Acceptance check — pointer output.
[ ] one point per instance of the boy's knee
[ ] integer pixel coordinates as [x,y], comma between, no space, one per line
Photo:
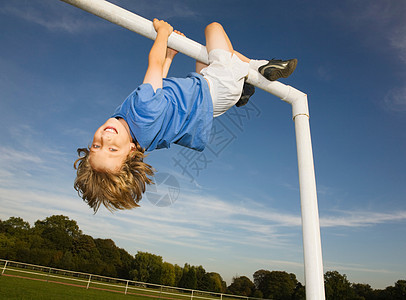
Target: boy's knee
[214,26]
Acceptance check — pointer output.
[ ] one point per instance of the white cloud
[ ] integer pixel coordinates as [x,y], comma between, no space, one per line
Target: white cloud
[207,219]
[278,264]
[352,267]
[53,15]
[395,99]
[397,39]
[8,154]
[388,16]
[196,226]
[194,217]
[362,218]
[379,21]
[58,16]
[27,153]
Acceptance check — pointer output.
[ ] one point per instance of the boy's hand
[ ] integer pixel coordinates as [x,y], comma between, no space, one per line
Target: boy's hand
[162,26]
[170,53]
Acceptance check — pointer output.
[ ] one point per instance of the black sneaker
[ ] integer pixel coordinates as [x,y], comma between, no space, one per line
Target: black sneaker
[277,68]
[247,91]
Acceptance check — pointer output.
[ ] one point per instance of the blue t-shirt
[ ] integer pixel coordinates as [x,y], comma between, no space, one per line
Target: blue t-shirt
[181,112]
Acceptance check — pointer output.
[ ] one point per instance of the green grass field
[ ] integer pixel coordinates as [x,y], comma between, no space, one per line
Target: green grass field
[20,288]
[22,283]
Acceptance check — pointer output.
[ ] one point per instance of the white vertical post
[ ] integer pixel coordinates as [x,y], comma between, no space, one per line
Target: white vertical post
[4,268]
[314,280]
[88,282]
[126,287]
[310,217]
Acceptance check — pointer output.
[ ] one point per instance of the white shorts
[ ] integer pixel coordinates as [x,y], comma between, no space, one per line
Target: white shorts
[225,74]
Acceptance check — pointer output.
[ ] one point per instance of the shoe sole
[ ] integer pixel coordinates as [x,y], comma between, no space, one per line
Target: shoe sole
[247,92]
[274,72]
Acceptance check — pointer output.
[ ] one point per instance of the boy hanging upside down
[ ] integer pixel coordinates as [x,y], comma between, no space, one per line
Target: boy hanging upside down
[163,111]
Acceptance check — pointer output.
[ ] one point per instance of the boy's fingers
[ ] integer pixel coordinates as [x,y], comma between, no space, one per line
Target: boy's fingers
[158,23]
[155,23]
[178,32]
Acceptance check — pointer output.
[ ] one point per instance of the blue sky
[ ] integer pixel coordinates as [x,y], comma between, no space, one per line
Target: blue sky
[64,71]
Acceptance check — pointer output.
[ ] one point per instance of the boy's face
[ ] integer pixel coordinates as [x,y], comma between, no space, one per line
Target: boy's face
[110,147]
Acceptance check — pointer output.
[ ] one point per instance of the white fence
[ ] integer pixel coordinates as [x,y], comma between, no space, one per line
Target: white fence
[93,281]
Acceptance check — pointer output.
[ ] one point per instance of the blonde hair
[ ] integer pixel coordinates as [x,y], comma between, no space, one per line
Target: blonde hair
[121,190]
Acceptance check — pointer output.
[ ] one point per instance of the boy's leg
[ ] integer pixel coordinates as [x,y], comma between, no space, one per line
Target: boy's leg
[216,38]
[242,57]
[200,66]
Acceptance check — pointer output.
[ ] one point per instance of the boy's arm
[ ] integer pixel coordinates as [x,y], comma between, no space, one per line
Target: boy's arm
[157,54]
[170,54]
[168,61]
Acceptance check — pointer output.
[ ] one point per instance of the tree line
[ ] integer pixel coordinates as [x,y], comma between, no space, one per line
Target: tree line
[58,242]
